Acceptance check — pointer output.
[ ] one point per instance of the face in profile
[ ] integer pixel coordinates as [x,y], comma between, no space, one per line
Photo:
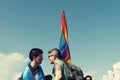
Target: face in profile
[52,56]
[39,59]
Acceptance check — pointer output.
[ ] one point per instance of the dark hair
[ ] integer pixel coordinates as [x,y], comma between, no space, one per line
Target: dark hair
[48,77]
[35,52]
[87,77]
[58,54]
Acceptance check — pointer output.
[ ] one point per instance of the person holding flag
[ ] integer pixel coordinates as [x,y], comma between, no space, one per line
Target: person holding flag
[58,56]
[59,72]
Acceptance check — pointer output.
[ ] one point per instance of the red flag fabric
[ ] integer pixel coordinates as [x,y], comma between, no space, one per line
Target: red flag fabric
[64,45]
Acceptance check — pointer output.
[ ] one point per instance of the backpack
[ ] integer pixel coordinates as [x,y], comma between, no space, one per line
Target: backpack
[73,72]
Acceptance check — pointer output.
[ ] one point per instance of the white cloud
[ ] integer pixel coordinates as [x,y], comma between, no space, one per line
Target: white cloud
[11,65]
[116,65]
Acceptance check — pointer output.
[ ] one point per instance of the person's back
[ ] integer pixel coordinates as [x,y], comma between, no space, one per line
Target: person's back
[73,72]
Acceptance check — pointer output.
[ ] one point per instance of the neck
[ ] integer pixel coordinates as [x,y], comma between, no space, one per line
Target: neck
[33,64]
[56,60]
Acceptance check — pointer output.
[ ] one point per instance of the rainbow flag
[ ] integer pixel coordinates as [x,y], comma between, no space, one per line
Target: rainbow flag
[64,45]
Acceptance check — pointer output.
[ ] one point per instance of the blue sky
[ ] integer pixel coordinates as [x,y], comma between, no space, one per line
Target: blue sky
[93,25]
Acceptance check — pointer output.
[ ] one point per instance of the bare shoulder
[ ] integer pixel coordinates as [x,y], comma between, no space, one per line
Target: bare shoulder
[58,65]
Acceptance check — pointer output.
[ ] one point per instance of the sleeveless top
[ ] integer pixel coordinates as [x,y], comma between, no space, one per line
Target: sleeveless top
[64,77]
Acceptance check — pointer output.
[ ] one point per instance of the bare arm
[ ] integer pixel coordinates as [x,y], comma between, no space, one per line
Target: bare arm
[58,71]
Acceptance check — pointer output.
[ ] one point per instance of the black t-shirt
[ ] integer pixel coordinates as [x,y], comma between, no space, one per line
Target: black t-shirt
[34,71]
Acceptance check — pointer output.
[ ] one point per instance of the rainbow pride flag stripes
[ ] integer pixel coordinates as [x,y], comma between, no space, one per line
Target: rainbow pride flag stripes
[64,45]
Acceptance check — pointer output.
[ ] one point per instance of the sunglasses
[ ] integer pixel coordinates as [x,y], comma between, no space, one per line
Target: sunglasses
[50,56]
